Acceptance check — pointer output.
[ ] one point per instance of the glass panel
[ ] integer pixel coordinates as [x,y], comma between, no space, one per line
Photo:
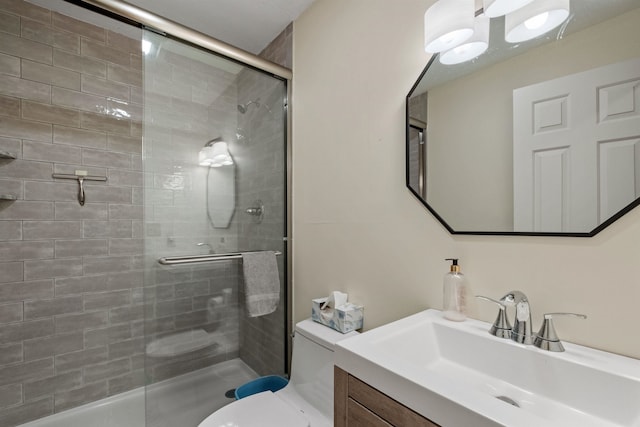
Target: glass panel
[200,343]
[71,275]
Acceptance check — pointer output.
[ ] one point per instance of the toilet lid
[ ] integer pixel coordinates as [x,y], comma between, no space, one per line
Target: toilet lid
[258,410]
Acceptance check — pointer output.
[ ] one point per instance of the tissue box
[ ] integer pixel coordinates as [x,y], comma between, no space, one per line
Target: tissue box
[345,318]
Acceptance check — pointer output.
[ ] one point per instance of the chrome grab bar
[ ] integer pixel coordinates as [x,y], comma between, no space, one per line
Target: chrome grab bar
[193,259]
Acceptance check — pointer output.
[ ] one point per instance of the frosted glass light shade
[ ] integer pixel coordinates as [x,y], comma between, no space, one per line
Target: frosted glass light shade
[535,19]
[472,48]
[447,24]
[495,8]
[205,156]
[215,155]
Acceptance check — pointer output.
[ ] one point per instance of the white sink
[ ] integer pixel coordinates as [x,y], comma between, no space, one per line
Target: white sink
[457,374]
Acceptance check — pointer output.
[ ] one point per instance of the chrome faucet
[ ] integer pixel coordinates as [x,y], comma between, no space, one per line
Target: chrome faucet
[545,339]
[521,331]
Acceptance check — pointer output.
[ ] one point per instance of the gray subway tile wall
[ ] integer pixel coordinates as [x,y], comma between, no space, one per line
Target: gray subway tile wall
[10,395]
[11,313]
[81,293]
[68,275]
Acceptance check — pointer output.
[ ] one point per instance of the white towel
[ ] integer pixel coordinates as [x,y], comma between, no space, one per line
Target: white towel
[261,282]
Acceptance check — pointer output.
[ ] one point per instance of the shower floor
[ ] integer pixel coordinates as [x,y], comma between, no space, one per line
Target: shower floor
[182,401]
[188,399]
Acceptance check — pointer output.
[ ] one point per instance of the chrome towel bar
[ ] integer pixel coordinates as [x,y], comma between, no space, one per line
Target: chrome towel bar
[193,259]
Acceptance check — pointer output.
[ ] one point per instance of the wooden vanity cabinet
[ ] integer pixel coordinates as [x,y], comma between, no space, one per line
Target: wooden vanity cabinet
[357,404]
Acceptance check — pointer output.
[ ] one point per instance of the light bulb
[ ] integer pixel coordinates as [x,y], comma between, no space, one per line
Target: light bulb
[454,37]
[461,49]
[537,21]
[447,24]
[475,46]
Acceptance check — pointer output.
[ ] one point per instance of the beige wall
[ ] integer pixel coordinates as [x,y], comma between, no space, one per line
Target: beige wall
[358,229]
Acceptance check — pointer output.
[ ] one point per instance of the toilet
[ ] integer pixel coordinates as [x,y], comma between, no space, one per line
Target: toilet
[306,401]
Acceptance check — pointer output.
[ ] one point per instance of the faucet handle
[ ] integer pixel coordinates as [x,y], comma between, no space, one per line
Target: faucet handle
[501,327]
[547,338]
[513,298]
[495,301]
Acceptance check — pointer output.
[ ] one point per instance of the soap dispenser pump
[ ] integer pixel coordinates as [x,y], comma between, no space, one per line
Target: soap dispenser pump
[455,290]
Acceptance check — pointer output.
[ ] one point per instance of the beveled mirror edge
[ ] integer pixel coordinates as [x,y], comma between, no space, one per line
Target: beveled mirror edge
[592,233]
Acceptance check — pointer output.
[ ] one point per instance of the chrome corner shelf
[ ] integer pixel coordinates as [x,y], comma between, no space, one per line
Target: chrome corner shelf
[194,259]
[7,155]
[7,198]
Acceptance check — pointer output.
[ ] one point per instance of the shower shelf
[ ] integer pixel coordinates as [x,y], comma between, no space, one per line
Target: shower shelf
[181,343]
[7,198]
[193,259]
[7,155]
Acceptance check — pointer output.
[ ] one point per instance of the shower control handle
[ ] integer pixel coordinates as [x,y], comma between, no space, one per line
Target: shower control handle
[256,211]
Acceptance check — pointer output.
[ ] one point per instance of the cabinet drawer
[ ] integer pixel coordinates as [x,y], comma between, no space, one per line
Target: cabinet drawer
[359,416]
[383,406]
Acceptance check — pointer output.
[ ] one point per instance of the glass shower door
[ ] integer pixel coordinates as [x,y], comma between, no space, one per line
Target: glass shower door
[214,184]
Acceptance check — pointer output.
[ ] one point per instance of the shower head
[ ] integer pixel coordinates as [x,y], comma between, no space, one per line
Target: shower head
[242,108]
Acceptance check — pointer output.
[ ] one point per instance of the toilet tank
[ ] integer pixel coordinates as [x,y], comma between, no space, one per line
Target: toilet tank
[312,363]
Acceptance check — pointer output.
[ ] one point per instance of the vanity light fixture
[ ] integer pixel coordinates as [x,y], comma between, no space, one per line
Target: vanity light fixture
[472,48]
[451,29]
[495,8]
[535,19]
[215,153]
[447,24]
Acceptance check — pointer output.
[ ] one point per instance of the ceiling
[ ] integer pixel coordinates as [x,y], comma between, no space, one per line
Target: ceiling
[247,24]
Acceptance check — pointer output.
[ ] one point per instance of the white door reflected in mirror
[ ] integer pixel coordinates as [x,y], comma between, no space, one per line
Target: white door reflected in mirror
[576,148]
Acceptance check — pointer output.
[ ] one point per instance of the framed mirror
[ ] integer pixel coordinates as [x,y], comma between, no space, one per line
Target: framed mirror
[221,195]
[539,137]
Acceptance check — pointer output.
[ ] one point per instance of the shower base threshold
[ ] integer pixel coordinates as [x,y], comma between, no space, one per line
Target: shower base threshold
[181,401]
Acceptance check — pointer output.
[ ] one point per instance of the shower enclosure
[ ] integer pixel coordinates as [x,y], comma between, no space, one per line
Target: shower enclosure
[93,304]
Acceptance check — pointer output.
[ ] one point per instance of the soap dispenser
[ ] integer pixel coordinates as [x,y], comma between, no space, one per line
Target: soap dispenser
[455,290]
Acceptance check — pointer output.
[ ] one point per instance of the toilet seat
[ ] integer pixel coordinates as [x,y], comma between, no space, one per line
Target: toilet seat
[262,409]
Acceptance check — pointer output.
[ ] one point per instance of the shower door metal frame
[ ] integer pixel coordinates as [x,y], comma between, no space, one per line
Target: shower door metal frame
[149,19]
[141,17]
